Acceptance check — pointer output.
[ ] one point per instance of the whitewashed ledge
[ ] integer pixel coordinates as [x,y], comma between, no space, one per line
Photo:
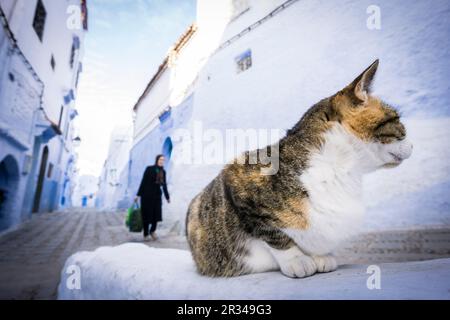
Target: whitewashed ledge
[135,271]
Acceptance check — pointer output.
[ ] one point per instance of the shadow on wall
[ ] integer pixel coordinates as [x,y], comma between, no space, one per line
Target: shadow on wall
[9,180]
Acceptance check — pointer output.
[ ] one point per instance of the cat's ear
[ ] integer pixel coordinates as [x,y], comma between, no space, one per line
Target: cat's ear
[360,87]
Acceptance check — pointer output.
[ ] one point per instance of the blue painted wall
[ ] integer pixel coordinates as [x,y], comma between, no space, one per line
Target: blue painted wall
[157,141]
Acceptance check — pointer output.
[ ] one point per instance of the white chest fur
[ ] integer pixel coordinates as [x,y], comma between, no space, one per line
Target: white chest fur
[334,184]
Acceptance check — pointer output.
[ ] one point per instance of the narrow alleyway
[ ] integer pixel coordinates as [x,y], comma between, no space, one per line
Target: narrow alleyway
[32,257]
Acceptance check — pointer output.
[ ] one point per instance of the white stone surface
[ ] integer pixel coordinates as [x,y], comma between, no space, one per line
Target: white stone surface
[135,271]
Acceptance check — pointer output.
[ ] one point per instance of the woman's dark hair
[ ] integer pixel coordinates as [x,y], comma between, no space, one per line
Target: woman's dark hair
[157,158]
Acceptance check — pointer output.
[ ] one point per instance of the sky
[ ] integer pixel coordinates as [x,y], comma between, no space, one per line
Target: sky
[126,42]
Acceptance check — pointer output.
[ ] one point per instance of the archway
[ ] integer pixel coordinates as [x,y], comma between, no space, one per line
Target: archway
[40,183]
[167,152]
[167,148]
[9,180]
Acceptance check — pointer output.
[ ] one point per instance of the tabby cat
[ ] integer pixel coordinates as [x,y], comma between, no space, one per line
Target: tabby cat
[245,222]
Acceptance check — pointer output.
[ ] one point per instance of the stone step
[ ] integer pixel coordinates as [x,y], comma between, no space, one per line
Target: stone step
[397,246]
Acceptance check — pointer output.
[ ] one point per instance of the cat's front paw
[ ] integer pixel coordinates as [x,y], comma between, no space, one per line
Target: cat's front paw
[325,263]
[299,267]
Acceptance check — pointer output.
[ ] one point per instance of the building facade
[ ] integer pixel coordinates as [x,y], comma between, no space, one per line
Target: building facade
[85,192]
[41,48]
[112,184]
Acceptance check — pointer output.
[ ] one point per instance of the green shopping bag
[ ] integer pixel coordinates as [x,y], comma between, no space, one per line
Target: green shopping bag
[133,219]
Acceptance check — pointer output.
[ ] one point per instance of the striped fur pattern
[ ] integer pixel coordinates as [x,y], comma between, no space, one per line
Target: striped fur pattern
[245,222]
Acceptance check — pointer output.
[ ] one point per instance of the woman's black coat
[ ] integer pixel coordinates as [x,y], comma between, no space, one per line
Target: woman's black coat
[150,193]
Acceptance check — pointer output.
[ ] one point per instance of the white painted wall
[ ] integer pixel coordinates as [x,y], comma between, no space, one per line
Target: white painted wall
[178,80]
[57,40]
[110,183]
[152,105]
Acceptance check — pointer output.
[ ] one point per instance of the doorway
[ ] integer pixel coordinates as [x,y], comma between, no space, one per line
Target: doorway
[40,183]
[9,179]
[167,153]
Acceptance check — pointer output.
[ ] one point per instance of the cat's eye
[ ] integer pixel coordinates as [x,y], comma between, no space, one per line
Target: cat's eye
[394,119]
[390,137]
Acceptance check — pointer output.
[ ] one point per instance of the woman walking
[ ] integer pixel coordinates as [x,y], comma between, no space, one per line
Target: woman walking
[150,193]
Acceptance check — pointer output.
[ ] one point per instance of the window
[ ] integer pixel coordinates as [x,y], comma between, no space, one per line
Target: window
[244,61]
[67,131]
[75,47]
[39,19]
[163,116]
[53,63]
[80,69]
[50,170]
[60,116]
[72,56]
[84,14]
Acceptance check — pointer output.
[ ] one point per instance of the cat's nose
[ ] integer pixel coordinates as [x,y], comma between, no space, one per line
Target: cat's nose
[406,149]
